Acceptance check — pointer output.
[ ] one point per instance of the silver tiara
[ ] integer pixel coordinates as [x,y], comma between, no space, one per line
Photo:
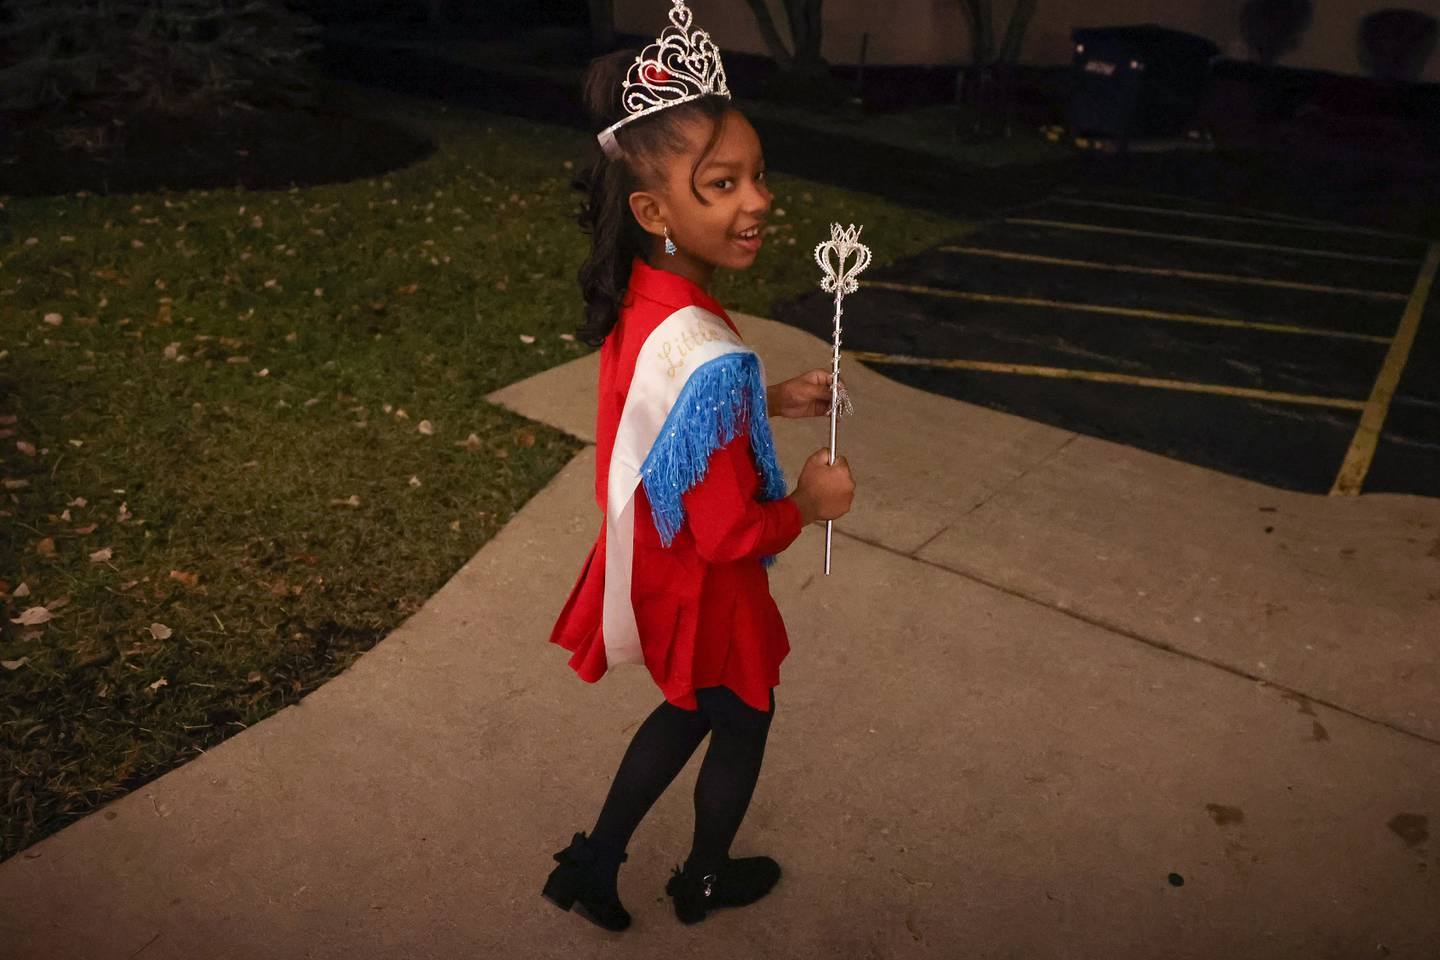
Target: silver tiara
[680,66]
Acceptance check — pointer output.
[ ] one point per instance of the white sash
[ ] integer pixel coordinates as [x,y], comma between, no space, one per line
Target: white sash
[687,340]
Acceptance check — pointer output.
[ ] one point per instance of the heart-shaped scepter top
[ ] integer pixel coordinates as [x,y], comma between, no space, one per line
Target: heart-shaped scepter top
[841,258]
[834,258]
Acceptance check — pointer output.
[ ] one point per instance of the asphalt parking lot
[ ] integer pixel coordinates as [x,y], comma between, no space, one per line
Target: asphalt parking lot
[1299,353]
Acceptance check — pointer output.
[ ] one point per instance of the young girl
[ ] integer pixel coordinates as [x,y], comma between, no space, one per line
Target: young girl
[686,472]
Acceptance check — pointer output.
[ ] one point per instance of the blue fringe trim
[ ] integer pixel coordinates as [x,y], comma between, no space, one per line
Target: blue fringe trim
[722,398]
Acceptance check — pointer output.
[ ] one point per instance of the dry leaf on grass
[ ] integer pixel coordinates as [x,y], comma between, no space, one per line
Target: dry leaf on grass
[352,501]
[33,616]
[22,591]
[102,555]
[86,530]
[471,442]
[162,682]
[16,484]
[26,448]
[189,579]
[14,664]
[160,632]
[426,427]
[45,547]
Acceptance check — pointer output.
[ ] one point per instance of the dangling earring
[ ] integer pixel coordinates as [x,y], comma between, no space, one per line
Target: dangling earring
[669,244]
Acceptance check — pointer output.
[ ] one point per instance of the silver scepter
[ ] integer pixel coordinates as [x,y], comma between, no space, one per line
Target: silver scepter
[839,271]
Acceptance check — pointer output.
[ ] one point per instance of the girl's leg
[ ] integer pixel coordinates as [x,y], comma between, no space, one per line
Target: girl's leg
[728,774]
[657,753]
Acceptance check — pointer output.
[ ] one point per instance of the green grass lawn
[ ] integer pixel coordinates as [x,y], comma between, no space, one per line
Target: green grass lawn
[243,435]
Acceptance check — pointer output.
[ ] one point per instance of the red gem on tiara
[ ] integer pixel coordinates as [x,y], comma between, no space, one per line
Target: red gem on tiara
[656,74]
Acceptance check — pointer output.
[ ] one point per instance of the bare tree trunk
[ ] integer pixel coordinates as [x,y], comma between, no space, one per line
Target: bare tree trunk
[1015,31]
[982,32]
[766,23]
[807,31]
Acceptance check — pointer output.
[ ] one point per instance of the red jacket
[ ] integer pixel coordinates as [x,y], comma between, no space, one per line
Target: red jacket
[702,604]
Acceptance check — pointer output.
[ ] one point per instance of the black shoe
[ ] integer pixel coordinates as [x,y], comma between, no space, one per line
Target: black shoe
[575,879]
[735,883]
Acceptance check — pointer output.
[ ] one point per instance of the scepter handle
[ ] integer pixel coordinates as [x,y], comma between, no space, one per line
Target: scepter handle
[834,422]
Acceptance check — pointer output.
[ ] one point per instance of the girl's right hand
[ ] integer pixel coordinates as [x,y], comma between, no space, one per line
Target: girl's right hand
[824,491]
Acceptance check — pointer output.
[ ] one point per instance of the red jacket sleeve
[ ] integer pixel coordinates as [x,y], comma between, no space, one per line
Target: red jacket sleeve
[727,521]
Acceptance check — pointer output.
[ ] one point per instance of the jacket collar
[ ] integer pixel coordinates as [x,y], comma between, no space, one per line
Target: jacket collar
[670,289]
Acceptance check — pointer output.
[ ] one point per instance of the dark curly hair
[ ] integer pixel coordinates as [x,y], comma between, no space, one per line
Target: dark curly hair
[615,237]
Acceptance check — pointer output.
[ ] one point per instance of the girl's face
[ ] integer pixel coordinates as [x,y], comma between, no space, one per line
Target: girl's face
[722,229]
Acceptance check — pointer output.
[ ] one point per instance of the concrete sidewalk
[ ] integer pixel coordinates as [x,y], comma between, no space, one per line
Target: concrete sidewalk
[1047,674]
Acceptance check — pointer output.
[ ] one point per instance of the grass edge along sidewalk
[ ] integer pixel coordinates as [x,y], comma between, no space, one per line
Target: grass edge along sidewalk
[245,434]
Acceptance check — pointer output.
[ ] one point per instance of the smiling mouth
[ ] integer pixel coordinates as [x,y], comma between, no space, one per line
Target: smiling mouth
[751,234]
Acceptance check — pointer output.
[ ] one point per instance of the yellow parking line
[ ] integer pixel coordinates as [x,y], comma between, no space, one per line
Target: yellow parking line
[1208,241]
[1106,377]
[1123,311]
[1232,218]
[1170,272]
[1362,448]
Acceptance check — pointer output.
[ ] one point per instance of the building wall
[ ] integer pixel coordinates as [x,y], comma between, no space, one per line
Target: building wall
[934,31]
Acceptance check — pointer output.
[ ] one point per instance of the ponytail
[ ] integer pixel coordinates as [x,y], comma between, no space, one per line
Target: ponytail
[616,239]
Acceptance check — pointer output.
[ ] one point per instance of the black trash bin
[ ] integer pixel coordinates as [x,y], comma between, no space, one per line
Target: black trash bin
[1141,81]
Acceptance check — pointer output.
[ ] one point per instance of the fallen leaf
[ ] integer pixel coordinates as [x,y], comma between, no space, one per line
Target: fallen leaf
[525,438]
[526,338]
[16,484]
[54,319]
[57,603]
[100,556]
[172,350]
[86,530]
[33,616]
[426,427]
[414,481]
[45,547]
[408,288]
[162,682]
[189,579]
[352,501]
[455,525]
[160,632]
[22,591]
[14,664]
[26,448]
[471,442]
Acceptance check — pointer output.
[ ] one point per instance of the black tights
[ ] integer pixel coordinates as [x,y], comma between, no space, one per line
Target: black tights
[659,751]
